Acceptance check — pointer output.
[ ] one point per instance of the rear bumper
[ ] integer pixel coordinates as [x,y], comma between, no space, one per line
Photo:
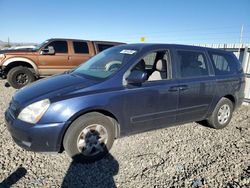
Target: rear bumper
[247,89]
[38,138]
[239,102]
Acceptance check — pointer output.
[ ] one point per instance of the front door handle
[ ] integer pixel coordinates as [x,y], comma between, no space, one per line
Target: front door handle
[178,88]
[183,87]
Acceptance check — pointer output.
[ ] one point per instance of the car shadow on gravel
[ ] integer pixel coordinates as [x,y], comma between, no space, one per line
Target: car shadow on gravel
[97,174]
[13,178]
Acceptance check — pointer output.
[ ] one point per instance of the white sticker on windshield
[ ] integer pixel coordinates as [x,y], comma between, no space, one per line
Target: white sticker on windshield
[130,52]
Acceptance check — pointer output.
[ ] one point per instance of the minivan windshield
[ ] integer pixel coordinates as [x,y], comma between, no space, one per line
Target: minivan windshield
[105,63]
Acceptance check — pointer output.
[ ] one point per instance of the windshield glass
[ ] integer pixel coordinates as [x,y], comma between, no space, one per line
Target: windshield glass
[105,63]
[40,45]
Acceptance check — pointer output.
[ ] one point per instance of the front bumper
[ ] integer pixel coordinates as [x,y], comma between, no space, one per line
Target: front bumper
[38,138]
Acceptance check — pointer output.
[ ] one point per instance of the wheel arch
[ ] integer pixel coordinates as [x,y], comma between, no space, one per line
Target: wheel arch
[101,111]
[231,98]
[20,61]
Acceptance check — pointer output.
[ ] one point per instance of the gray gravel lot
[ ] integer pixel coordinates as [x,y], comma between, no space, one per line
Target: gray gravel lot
[184,156]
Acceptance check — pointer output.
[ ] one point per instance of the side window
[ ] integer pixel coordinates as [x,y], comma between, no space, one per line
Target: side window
[192,64]
[155,64]
[150,60]
[102,47]
[223,63]
[80,47]
[59,46]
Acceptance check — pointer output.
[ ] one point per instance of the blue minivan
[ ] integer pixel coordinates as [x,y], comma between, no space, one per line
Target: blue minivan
[125,90]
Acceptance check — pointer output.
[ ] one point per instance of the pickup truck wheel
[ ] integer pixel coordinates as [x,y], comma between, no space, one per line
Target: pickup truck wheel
[222,114]
[20,76]
[89,137]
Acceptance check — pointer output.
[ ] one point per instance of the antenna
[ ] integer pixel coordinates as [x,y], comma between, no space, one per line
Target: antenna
[241,33]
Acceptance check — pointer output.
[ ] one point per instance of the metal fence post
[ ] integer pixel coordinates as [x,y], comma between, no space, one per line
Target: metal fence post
[245,60]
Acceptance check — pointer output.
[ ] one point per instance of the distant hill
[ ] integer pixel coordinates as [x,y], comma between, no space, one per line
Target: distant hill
[4,44]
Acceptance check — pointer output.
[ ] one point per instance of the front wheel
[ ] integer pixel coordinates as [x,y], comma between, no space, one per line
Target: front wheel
[19,77]
[89,137]
[222,114]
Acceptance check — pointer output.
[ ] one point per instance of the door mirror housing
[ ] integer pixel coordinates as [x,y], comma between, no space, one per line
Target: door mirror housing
[137,77]
[48,51]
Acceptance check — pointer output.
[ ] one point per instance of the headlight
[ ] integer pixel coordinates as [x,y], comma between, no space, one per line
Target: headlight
[34,112]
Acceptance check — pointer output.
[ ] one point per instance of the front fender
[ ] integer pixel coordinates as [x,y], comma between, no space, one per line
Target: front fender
[9,61]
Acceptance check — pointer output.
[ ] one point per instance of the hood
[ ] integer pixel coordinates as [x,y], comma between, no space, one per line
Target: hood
[17,51]
[51,87]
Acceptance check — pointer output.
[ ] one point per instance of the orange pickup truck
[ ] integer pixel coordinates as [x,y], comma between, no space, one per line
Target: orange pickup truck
[53,56]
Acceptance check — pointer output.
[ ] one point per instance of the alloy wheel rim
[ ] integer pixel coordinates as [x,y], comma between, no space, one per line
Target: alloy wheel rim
[92,140]
[22,78]
[224,114]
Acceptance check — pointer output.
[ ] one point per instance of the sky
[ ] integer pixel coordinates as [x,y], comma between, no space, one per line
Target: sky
[158,21]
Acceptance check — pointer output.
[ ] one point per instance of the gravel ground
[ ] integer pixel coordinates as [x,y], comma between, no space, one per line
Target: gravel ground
[184,156]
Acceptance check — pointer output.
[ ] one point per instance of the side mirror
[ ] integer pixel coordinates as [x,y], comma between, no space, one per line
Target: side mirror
[48,51]
[137,77]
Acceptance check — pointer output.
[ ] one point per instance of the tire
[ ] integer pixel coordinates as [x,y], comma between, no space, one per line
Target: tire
[218,120]
[19,77]
[83,128]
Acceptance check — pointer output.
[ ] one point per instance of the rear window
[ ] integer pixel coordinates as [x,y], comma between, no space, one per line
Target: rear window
[223,63]
[81,47]
[102,47]
[59,46]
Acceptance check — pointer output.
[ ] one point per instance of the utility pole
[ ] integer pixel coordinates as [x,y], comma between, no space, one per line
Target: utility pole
[241,39]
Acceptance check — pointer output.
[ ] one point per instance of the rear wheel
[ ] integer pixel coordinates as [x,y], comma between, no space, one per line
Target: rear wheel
[20,76]
[221,115]
[90,137]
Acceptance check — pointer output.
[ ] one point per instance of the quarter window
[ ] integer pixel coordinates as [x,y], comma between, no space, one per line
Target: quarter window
[59,46]
[223,64]
[192,64]
[81,47]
